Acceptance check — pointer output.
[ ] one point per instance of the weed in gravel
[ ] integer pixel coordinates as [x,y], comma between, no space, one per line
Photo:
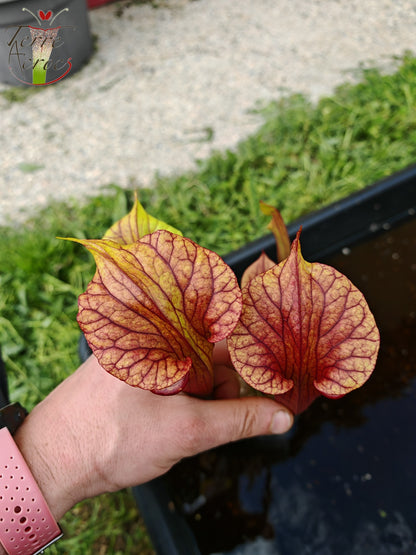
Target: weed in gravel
[19,94]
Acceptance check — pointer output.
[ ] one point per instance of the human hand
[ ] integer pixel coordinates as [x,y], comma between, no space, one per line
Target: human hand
[94,433]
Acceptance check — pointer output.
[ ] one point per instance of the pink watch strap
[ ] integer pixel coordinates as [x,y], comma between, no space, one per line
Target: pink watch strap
[26,523]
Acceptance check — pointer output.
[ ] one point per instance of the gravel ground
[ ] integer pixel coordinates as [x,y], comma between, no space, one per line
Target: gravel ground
[162,76]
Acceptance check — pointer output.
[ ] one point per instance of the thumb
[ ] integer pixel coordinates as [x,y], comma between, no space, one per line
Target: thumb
[224,421]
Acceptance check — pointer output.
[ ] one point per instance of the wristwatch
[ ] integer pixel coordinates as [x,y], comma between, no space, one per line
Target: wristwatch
[27,526]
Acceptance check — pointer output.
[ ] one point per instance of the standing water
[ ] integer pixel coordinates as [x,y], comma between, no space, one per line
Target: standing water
[343,480]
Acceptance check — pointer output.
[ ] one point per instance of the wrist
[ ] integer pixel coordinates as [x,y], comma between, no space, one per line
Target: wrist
[52,448]
[58,442]
[34,442]
[27,524]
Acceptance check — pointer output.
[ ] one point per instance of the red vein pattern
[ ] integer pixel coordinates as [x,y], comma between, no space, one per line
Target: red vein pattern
[305,330]
[154,309]
[262,264]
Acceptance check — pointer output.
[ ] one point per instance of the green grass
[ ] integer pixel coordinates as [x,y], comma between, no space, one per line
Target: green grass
[303,157]
[19,94]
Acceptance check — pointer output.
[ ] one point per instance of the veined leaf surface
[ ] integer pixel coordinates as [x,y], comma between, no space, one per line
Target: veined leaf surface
[262,264]
[305,330]
[154,309]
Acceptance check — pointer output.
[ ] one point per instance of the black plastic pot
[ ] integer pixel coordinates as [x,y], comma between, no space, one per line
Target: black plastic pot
[343,480]
[71,47]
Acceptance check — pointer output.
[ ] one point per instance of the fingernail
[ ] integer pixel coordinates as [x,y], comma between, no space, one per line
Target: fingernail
[281,422]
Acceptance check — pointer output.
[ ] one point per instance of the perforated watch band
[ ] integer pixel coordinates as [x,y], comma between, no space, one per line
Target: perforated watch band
[27,526]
